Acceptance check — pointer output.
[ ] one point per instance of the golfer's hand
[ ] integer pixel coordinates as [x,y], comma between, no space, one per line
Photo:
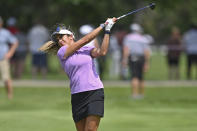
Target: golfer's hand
[114,19]
[109,23]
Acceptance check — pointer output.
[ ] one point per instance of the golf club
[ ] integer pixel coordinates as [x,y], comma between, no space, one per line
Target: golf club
[151,6]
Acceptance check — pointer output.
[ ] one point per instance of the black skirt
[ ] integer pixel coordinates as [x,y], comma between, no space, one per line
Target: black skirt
[87,103]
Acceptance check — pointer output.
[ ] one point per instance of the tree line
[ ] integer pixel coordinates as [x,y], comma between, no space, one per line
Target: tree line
[75,13]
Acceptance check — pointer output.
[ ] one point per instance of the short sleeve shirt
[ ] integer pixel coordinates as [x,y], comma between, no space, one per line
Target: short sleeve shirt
[5,38]
[36,37]
[136,43]
[80,69]
[190,40]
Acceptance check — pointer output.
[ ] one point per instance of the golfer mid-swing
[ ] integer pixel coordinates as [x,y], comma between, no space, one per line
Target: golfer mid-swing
[76,58]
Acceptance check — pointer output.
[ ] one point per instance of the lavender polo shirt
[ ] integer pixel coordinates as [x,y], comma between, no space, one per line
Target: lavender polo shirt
[80,69]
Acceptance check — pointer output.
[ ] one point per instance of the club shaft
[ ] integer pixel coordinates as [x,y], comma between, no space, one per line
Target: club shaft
[134,11]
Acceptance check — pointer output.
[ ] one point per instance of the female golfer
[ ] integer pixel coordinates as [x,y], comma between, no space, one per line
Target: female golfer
[87,95]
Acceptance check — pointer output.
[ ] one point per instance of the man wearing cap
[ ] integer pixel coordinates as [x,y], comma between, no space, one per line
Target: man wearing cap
[136,53]
[6,53]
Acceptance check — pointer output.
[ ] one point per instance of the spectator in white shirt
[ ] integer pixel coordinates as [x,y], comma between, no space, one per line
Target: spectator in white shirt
[6,53]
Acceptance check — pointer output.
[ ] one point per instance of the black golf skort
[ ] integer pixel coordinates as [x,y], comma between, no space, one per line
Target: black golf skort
[87,103]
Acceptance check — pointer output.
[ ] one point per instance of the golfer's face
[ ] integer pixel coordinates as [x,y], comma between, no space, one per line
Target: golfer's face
[63,39]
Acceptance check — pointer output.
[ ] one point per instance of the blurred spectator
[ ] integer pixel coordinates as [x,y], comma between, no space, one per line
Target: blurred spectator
[137,52]
[102,66]
[120,34]
[149,38]
[11,25]
[37,36]
[115,56]
[84,30]
[6,53]
[18,59]
[190,45]
[173,53]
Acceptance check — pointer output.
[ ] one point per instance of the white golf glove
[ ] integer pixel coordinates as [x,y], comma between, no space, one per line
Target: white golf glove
[109,24]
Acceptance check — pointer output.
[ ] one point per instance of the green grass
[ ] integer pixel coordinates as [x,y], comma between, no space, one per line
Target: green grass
[49,109]
[159,69]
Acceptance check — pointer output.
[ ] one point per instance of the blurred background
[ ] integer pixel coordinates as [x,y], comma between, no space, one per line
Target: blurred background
[75,13]
[164,108]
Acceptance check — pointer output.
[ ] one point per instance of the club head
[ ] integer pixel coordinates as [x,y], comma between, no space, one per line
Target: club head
[152,6]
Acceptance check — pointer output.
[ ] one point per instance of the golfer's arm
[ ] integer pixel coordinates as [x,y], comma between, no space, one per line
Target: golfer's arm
[96,43]
[86,39]
[102,51]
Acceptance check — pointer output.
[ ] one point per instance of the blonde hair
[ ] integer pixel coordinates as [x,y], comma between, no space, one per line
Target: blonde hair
[50,47]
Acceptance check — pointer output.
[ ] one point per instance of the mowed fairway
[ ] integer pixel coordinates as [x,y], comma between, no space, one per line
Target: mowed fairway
[49,109]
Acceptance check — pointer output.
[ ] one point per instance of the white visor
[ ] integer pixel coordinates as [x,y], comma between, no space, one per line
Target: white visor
[61,32]
[65,32]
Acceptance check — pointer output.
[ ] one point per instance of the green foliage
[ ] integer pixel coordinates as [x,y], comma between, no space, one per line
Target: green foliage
[77,12]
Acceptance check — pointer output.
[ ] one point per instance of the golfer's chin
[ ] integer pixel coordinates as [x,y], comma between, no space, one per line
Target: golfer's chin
[62,44]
